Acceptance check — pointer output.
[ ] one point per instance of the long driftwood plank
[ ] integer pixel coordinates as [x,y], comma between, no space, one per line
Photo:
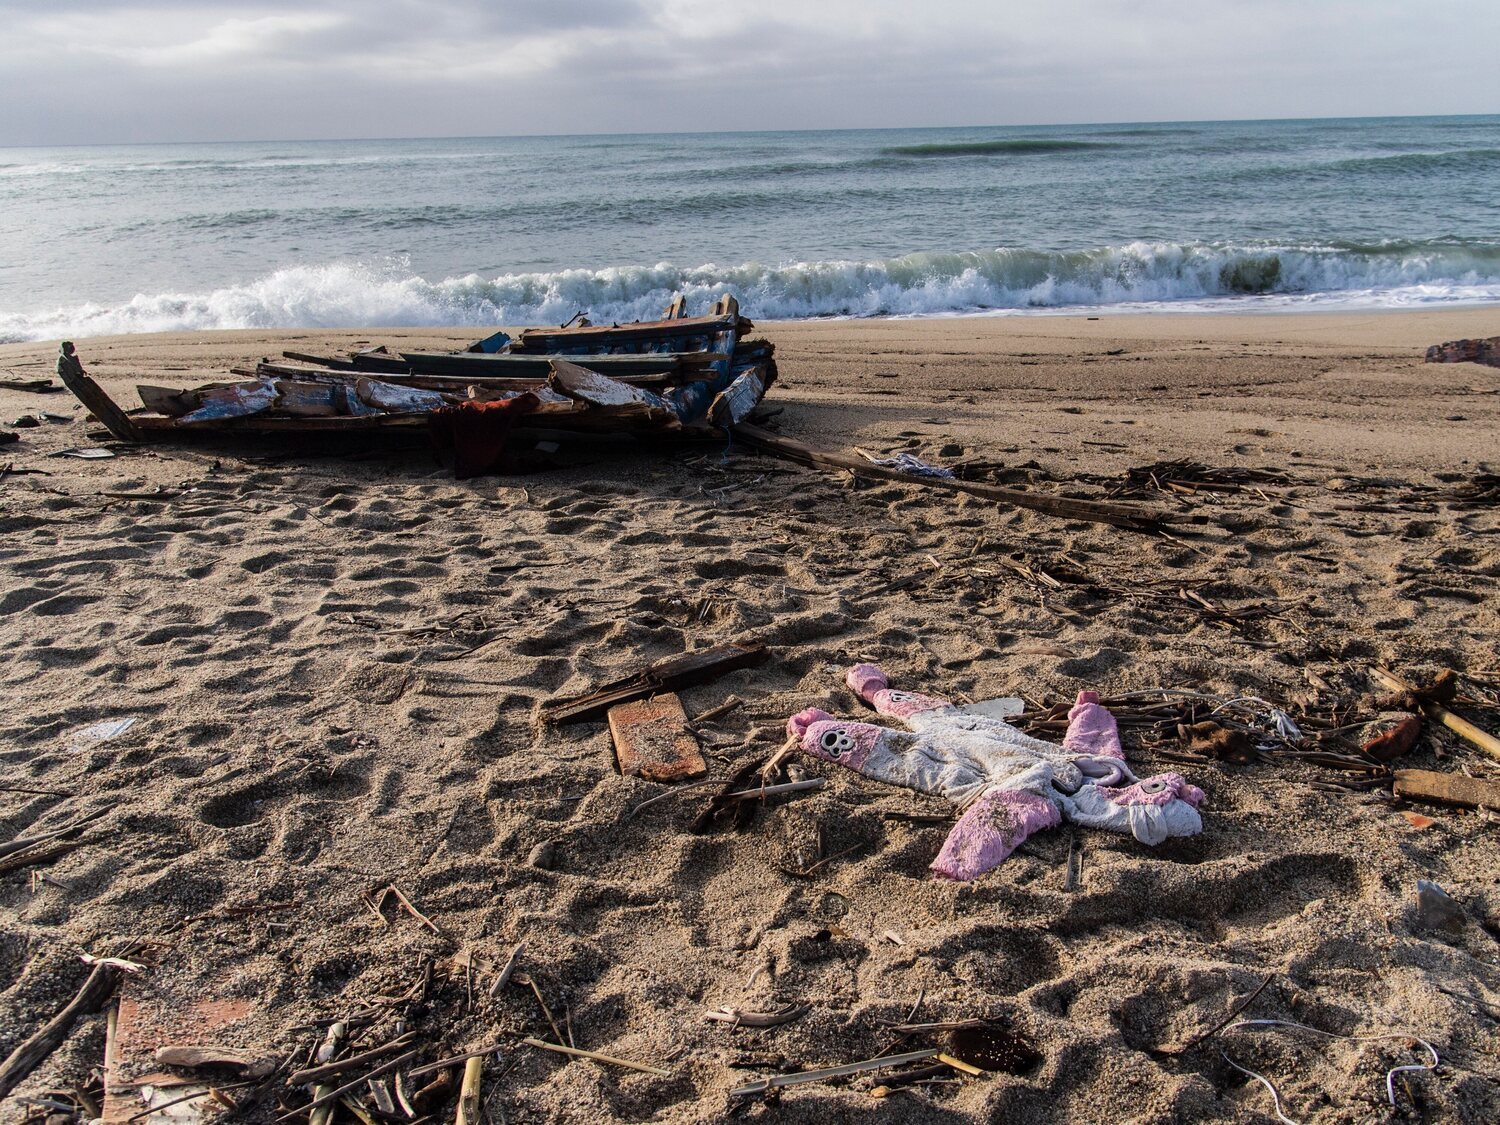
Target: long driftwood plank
[1126,516]
[554,339]
[665,675]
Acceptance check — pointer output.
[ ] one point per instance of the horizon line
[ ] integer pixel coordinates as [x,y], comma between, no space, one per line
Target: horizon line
[753,132]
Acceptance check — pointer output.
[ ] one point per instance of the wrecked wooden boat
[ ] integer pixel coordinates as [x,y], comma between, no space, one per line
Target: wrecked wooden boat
[679,374]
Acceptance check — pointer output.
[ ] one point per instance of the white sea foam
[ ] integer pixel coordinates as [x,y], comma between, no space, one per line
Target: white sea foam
[1137,276]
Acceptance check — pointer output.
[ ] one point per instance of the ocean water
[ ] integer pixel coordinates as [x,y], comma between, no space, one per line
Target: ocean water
[1347,213]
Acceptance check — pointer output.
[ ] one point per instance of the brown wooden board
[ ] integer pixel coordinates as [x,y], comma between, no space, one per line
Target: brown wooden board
[665,675]
[1456,789]
[653,740]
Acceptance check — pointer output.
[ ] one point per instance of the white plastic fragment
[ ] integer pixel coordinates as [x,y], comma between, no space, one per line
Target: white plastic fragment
[88,737]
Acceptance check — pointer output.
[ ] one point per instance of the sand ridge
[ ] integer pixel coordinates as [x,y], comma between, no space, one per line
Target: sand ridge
[337,660]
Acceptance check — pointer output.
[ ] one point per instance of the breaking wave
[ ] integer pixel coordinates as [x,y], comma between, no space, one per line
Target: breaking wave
[1137,275]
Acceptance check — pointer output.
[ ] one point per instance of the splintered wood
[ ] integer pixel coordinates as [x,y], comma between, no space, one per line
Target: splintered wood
[653,740]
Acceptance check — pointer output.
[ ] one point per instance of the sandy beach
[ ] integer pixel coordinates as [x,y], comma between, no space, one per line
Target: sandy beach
[335,660]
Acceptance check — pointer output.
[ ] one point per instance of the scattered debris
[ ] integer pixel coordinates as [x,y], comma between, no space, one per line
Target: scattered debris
[765,1085]
[34,1050]
[665,675]
[1093,511]
[595,1056]
[653,740]
[1390,735]
[1189,477]
[33,386]
[91,453]
[1460,726]
[740,1017]
[192,1057]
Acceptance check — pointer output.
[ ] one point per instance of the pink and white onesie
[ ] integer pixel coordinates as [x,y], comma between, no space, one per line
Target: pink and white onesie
[1009,784]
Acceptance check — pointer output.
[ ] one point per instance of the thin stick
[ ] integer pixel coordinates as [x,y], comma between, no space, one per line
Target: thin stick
[413,911]
[443,1064]
[674,791]
[959,1065]
[1227,1020]
[945,1025]
[576,1053]
[41,792]
[773,790]
[385,1068]
[303,1077]
[506,970]
[546,1011]
[741,1018]
[720,711]
[780,1080]
[30,1054]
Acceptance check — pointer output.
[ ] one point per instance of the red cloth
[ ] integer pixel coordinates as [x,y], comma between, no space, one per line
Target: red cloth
[477,432]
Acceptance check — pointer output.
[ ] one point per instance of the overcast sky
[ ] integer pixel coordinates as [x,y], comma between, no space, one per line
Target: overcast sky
[101,71]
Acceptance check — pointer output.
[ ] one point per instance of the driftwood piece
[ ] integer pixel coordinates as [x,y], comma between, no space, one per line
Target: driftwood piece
[35,386]
[30,1054]
[335,1094]
[1486,351]
[1456,789]
[665,675]
[88,392]
[1460,726]
[735,402]
[1129,516]
[192,1057]
[653,740]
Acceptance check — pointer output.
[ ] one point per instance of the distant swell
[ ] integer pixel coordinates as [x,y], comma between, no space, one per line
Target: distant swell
[1137,275]
[1020,146]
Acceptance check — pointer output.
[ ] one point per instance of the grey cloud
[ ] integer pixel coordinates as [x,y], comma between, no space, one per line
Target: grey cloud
[404,67]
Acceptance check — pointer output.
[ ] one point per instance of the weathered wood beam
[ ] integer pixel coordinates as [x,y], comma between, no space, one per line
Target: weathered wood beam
[1128,516]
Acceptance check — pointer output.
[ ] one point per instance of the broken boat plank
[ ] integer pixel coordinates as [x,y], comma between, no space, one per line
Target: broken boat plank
[665,675]
[653,740]
[1127,516]
[88,392]
[594,389]
[1456,789]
